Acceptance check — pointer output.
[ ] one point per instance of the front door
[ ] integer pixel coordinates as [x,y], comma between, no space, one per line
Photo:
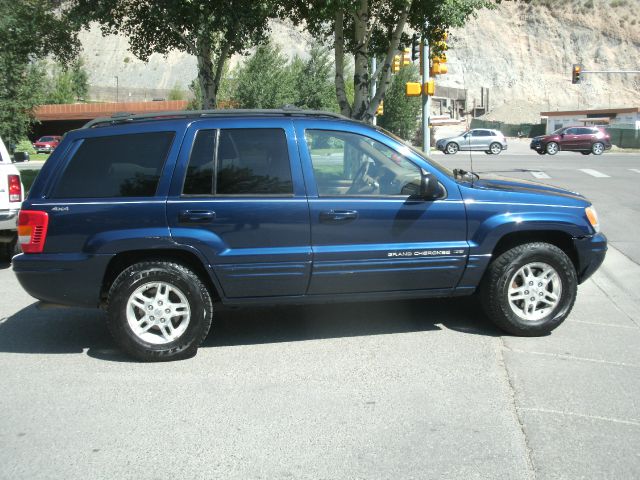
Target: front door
[238,198]
[369,231]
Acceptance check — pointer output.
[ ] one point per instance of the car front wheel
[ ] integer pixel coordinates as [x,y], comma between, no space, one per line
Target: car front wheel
[159,311]
[552,148]
[495,148]
[597,148]
[452,148]
[530,289]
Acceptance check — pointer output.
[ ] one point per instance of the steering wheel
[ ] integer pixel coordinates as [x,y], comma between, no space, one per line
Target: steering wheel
[362,182]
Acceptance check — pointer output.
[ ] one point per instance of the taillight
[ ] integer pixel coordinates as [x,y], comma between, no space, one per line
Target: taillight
[15,188]
[32,230]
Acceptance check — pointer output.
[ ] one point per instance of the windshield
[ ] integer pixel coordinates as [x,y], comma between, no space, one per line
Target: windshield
[430,161]
[46,139]
[558,131]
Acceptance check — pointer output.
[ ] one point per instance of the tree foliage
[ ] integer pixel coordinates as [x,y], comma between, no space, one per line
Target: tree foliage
[364,29]
[401,113]
[29,30]
[66,84]
[212,31]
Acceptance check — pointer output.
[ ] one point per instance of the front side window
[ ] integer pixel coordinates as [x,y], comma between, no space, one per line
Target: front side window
[115,166]
[351,164]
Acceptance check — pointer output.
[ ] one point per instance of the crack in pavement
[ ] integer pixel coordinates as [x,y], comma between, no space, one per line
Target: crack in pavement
[582,415]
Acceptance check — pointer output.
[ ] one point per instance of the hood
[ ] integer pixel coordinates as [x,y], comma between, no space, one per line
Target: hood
[504,184]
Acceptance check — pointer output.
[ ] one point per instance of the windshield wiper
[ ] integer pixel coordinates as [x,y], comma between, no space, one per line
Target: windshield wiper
[458,172]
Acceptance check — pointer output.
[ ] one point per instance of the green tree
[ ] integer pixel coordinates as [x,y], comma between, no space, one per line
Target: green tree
[176,93]
[365,29]
[67,84]
[265,80]
[29,30]
[211,31]
[313,81]
[401,113]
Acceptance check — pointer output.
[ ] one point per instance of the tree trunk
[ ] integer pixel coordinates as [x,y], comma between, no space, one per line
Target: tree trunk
[206,79]
[361,77]
[341,93]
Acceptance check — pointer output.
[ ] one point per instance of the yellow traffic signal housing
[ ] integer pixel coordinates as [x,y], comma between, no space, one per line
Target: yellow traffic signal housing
[576,73]
[413,89]
[380,109]
[430,87]
[438,66]
[406,57]
[395,65]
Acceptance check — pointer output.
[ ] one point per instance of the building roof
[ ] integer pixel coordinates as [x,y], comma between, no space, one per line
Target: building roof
[87,111]
[603,112]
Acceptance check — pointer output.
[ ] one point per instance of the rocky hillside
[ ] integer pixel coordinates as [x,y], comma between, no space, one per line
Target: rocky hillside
[521,51]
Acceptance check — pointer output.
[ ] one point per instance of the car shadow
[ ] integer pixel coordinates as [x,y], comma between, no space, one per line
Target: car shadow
[77,330]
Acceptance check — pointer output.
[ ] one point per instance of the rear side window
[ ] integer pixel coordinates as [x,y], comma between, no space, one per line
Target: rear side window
[247,161]
[115,166]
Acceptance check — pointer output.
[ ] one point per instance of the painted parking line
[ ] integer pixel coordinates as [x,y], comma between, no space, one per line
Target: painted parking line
[540,175]
[634,170]
[594,173]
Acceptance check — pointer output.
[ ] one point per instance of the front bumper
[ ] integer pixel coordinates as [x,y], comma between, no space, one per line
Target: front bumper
[9,218]
[591,251]
[535,145]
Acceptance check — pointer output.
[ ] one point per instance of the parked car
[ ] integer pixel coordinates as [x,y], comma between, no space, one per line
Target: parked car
[11,196]
[47,144]
[480,139]
[585,140]
[158,219]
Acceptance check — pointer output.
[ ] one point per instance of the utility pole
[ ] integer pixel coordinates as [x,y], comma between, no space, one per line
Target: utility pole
[116,77]
[374,66]
[426,99]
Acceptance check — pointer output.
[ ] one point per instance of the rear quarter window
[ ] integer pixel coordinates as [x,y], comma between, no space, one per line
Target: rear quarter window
[115,166]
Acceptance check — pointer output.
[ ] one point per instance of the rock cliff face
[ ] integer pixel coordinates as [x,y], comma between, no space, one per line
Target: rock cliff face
[521,51]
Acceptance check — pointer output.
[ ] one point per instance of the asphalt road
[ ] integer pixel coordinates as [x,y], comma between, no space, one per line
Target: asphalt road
[419,389]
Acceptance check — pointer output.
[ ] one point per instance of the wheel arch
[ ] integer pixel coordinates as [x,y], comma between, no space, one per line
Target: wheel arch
[189,259]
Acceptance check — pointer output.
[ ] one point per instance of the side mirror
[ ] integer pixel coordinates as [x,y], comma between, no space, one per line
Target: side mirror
[429,187]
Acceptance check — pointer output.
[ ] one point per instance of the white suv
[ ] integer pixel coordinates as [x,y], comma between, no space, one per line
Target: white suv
[11,197]
[492,142]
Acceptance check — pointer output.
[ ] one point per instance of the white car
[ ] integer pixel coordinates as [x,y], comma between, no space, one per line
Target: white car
[492,142]
[11,197]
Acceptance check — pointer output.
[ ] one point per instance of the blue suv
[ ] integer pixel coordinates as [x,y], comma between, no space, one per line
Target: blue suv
[157,218]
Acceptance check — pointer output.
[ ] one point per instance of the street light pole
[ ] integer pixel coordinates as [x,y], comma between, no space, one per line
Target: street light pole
[426,99]
[116,77]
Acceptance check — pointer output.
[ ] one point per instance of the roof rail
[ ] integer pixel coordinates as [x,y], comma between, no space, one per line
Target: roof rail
[287,111]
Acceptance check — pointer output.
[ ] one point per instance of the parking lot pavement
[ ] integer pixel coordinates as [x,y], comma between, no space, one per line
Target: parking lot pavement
[419,389]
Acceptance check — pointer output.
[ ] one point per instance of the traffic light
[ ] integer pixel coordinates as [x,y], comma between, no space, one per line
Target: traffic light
[395,65]
[576,72]
[413,89]
[438,65]
[415,48]
[438,55]
[380,109]
[430,87]
[406,57]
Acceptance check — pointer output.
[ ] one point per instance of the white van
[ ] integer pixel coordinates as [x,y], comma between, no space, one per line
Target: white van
[11,197]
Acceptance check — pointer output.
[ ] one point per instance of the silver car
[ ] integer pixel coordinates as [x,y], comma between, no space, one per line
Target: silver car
[491,142]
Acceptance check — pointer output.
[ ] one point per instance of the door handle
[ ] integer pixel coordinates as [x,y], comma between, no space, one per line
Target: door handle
[338,216]
[196,216]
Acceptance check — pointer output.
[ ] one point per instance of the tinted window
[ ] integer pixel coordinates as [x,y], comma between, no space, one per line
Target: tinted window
[350,164]
[116,166]
[253,162]
[199,178]
[571,131]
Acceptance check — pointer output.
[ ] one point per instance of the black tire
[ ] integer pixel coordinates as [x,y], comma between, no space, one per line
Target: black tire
[585,153]
[541,152]
[495,148]
[452,148]
[494,289]
[597,148]
[8,250]
[552,148]
[488,152]
[176,276]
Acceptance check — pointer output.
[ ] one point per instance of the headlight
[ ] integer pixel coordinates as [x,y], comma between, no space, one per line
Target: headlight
[592,216]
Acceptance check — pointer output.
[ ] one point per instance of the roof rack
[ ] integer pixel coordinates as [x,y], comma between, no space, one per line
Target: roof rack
[124,117]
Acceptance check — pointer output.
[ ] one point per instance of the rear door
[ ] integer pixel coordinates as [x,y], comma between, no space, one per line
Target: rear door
[238,198]
[369,234]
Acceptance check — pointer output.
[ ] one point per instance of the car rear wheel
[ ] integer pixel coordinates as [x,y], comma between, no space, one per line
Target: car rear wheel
[159,311]
[552,148]
[597,148]
[495,148]
[530,289]
[452,148]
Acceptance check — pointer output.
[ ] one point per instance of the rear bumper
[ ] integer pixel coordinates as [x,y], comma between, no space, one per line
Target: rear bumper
[66,279]
[8,218]
[591,252]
